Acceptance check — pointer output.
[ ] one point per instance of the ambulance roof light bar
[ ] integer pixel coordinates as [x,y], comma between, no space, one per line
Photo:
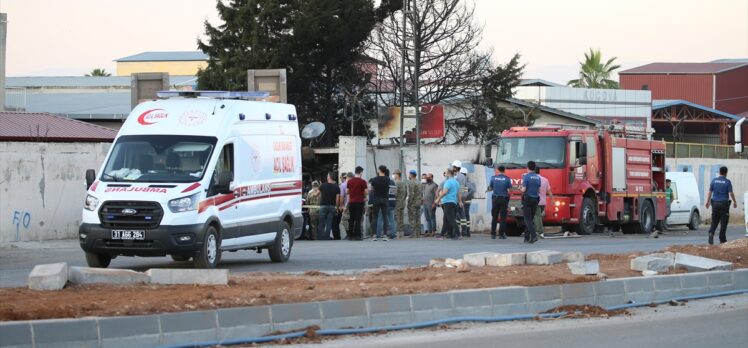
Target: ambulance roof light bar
[213,94]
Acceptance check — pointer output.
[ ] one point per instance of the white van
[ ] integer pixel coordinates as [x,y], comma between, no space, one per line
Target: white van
[684,209]
[196,174]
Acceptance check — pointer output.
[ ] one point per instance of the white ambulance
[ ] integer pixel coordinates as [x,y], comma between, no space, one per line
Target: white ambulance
[195,174]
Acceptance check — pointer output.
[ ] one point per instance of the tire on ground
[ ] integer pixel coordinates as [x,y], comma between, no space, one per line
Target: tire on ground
[280,251]
[210,254]
[587,217]
[98,260]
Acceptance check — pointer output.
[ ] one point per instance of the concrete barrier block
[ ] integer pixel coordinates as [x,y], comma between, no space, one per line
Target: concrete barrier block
[431,301]
[15,334]
[86,275]
[544,257]
[65,333]
[639,284]
[389,304]
[543,293]
[740,279]
[648,263]
[188,276]
[295,312]
[234,323]
[542,306]
[606,301]
[609,287]
[719,281]
[51,276]
[698,263]
[584,267]
[574,256]
[693,280]
[188,327]
[390,319]
[504,260]
[510,309]
[640,297]
[344,314]
[509,295]
[667,282]
[434,314]
[477,259]
[578,293]
[130,331]
[471,298]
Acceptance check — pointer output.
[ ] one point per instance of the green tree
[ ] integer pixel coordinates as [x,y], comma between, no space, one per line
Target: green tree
[98,72]
[318,42]
[593,73]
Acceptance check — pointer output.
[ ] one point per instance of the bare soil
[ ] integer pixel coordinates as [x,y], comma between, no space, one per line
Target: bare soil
[255,289]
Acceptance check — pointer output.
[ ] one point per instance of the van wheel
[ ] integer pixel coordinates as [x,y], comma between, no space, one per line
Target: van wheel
[180,258]
[694,221]
[210,255]
[587,218]
[98,260]
[281,249]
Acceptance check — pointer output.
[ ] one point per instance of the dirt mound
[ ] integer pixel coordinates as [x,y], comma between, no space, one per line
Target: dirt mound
[735,244]
[586,311]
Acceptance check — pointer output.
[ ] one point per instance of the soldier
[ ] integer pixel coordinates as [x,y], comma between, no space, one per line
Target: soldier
[400,201]
[414,204]
[312,200]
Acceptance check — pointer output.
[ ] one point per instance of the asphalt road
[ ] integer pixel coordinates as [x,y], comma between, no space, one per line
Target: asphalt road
[17,260]
[718,322]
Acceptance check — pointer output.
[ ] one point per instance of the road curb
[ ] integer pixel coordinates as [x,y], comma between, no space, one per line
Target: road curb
[233,323]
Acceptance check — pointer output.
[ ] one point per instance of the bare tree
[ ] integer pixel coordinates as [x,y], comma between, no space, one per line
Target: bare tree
[448,60]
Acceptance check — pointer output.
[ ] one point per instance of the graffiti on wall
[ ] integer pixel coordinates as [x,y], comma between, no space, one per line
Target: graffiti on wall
[21,219]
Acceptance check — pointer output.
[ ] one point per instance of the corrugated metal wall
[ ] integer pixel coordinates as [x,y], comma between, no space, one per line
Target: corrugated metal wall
[694,88]
[732,91]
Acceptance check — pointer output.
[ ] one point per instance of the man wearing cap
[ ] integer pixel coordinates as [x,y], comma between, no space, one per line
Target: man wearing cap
[499,186]
[414,204]
[467,198]
[720,192]
[401,197]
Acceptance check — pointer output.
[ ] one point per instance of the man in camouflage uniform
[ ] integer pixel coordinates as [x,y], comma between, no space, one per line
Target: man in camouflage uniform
[400,201]
[312,200]
[414,204]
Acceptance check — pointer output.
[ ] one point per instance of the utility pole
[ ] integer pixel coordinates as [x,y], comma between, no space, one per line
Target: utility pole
[409,28]
[416,76]
[3,36]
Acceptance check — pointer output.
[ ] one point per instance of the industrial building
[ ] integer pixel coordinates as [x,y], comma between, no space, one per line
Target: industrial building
[172,62]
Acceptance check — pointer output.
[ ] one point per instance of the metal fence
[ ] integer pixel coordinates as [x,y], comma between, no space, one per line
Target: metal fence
[691,150]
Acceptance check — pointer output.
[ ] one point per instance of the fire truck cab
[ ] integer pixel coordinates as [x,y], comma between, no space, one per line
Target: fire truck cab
[611,176]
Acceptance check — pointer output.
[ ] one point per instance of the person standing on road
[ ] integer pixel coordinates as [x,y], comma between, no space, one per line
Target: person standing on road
[720,192]
[312,201]
[357,189]
[380,189]
[462,180]
[430,190]
[499,185]
[340,211]
[530,197]
[329,203]
[545,189]
[414,204]
[450,200]
[392,201]
[401,197]
[467,198]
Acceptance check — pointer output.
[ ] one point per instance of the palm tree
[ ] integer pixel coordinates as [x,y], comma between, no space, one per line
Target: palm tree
[594,74]
[98,72]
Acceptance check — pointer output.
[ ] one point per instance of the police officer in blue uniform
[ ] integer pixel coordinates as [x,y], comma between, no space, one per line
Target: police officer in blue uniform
[499,185]
[530,199]
[719,189]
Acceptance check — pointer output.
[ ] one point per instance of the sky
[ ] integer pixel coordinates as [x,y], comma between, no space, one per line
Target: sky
[72,37]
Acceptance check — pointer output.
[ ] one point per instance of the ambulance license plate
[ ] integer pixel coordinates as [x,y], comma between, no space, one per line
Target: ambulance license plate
[128,234]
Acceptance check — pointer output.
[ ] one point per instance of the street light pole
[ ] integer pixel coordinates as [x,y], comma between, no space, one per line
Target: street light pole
[416,76]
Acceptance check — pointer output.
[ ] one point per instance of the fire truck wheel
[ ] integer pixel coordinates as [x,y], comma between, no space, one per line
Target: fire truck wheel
[646,219]
[588,217]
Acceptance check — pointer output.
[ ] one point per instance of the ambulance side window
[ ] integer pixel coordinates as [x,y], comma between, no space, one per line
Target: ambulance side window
[224,167]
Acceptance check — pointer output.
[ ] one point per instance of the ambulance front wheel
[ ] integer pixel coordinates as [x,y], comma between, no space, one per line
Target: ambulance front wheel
[96,260]
[210,254]
[281,249]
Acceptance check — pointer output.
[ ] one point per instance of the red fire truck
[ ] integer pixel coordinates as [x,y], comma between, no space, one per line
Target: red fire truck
[612,176]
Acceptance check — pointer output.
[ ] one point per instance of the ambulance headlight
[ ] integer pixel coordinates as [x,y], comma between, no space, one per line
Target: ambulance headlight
[91,203]
[183,204]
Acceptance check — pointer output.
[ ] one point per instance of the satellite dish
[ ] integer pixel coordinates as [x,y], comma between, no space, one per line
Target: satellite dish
[313,130]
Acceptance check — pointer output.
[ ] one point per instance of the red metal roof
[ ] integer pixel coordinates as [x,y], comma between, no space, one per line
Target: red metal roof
[683,68]
[45,127]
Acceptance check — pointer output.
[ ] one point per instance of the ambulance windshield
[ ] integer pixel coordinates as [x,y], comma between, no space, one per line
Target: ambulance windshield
[158,158]
[547,152]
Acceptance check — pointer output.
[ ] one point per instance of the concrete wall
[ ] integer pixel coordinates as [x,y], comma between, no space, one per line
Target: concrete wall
[173,68]
[42,188]
[706,169]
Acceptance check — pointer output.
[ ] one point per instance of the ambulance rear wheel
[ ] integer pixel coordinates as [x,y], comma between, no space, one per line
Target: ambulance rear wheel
[281,249]
[98,260]
[587,218]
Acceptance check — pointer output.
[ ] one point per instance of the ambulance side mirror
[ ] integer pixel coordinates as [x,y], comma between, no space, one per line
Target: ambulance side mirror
[90,178]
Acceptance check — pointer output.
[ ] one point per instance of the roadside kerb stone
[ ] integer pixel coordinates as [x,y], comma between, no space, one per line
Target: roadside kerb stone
[697,263]
[66,333]
[130,331]
[542,298]
[667,287]
[345,313]
[693,283]
[578,294]
[15,334]
[544,257]
[740,279]
[472,303]
[574,256]
[86,275]
[509,300]
[717,281]
[168,276]
[650,263]
[235,323]
[639,290]
[584,267]
[52,276]
[610,293]
[477,259]
[390,310]
[504,260]
[294,316]
[431,306]
[189,327]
